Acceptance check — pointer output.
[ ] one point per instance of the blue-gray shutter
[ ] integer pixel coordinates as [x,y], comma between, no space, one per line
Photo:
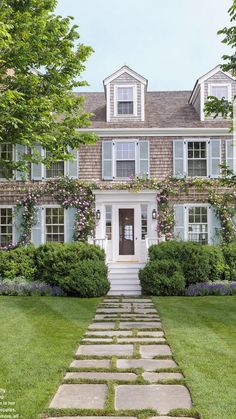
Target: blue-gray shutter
[72,165]
[178,158]
[214,158]
[107,152]
[20,151]
[179,217]
[37,229]
[215,227]
[144,158]
[229,154]
[18,224]
[37,169]
[69,223]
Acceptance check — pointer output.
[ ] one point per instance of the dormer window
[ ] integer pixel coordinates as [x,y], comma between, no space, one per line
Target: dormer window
[126,100]
[220,91]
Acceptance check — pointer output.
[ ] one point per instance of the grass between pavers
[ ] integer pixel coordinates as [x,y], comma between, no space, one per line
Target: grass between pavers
[202,334]
[38,338]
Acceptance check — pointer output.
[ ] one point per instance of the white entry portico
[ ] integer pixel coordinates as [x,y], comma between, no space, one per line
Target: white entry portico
[126,220]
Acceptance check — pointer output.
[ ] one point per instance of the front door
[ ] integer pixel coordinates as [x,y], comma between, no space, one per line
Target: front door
[126,231]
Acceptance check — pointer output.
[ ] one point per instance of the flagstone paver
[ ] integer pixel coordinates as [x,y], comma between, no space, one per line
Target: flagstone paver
[105,350]
[125,336]
[117,376]
[80,396]
[156,376]
[161,397]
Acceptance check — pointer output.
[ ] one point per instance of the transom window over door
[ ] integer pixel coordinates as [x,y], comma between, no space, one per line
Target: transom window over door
[197,158]
[198,224]
[125,100]
[125,159]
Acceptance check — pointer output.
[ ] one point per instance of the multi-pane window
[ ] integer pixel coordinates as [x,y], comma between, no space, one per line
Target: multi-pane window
[198,225]
[197,158]
[125,159]
[6,226]
[219,91]
[54,224]
[6,154]
[125,101]
[109,222]
[143,221]
[55,170]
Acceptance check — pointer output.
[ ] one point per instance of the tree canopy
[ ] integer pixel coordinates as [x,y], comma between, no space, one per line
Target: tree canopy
[223,107]
[41,62]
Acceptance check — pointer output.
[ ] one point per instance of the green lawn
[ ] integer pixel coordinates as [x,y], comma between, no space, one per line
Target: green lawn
[38,337]
[202,335]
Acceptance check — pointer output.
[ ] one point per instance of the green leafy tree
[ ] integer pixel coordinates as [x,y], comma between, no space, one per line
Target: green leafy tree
[222,107]
[41,62]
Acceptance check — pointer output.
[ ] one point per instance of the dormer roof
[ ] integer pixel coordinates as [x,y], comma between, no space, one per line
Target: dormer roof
[122,70]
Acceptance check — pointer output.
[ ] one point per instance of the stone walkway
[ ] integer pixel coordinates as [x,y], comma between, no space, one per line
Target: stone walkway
[123,367]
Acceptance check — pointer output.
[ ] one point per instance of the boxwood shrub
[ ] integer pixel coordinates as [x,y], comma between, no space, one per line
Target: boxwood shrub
[229,252]
[199,263]
[18,262]
[162,277]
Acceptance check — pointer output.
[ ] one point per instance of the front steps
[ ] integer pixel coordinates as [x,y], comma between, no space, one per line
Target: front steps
[123,277]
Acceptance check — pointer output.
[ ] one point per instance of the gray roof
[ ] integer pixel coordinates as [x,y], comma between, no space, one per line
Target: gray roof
[162,110]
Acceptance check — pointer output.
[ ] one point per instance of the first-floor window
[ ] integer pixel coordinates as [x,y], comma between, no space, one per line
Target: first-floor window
[6,154]
[6,226]
[198,224]
[54,225]
[143,221]
[55,169]
[109,222]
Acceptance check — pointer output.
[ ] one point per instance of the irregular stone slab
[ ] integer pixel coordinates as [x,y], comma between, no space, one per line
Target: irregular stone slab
[119,376]
[140,340]
[156,376]
[105,340]
[153,396]
[112,333]
[151,333]
[101,417]
[111,300]
[104,325]
[90,363]
[136,300]
[140,325]
[150,351]
[105,350]
[80,396]
[145,310]
[113,310]
[146,364]
[164,417]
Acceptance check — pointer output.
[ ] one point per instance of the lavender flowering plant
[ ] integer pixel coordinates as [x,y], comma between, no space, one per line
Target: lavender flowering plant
[211,288]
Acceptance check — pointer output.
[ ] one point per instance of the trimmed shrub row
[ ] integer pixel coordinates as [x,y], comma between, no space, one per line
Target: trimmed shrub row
[79,268]
[188,263]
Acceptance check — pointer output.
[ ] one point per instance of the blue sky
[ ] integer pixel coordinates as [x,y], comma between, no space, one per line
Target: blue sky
[170,42]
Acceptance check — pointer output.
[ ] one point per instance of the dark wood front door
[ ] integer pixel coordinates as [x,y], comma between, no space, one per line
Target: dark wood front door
[126,231]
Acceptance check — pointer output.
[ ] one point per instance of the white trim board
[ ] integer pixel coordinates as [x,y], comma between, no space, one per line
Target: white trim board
[158,132]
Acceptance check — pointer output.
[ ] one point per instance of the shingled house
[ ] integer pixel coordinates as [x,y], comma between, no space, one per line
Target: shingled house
[141,133]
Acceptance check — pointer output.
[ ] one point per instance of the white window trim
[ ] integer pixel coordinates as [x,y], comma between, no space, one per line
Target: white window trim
[228,85]
[13,220]
[135,108]
[44,172]
[114,156]
[186,223]
[44,221]
[196,140]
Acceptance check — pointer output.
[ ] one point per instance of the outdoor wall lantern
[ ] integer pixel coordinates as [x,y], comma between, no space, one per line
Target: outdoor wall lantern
[98,214]
[154,214]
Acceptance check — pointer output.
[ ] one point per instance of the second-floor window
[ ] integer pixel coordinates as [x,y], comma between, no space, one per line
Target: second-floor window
[55,170]
[6,153]
[197,158]
[125,159]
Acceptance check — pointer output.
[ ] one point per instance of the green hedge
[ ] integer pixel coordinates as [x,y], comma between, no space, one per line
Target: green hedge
[198,262]
[18,262]
[78,268]
[230,259]
[163,277]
